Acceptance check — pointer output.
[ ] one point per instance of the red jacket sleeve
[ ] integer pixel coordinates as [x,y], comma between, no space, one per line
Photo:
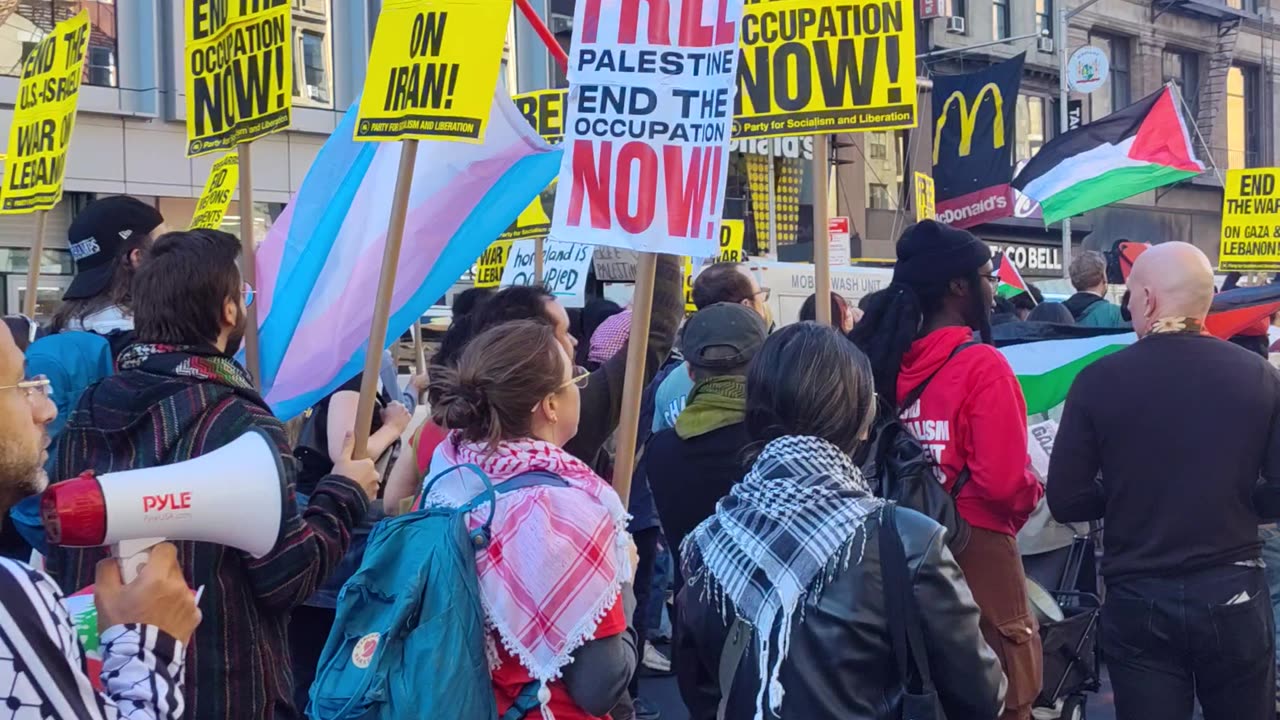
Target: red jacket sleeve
[997,457]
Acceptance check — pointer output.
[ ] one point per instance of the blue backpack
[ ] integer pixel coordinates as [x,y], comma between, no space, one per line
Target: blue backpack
[409,629]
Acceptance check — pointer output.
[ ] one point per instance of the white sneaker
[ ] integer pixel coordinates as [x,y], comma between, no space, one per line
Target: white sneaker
[655,660]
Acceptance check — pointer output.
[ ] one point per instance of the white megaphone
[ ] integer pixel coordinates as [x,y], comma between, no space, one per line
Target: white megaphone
[232,496]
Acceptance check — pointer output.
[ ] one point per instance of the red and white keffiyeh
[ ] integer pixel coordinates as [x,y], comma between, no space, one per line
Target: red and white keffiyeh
[610,337]
[557,556]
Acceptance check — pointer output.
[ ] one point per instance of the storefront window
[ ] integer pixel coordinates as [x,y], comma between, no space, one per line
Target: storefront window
[24,24]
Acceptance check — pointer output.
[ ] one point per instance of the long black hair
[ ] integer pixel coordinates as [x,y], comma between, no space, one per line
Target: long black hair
[895,317]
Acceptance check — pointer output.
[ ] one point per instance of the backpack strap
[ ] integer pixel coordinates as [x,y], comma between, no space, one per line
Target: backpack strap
[918,390]
[525,703]
[735,646]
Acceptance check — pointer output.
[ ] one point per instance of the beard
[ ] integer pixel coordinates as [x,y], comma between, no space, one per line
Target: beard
[21,471]
[236,337]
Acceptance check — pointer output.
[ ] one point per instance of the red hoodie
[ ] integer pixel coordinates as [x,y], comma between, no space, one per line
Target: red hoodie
[973,414]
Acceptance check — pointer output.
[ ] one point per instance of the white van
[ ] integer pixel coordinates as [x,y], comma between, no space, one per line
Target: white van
[790,284]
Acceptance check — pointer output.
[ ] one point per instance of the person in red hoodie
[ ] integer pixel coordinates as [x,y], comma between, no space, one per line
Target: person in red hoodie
[920,332]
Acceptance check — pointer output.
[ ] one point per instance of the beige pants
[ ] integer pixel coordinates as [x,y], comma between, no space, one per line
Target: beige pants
[993,569]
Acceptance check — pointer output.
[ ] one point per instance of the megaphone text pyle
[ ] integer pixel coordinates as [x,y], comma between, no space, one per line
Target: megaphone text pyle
[233,496]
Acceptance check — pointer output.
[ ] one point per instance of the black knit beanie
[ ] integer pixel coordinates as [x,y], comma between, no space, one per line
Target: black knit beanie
[931,253]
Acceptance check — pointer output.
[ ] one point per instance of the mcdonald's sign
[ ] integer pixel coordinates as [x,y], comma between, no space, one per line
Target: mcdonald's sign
[973,136]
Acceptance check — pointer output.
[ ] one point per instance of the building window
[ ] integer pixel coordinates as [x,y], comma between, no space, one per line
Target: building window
[313,67]
[1246,5]
[1107,100]
[24,24]
[960,8]
[879,197]
[1000,19]
[1030,126]
[1244,126]
[1044,17]
[879,147]
[1183,70]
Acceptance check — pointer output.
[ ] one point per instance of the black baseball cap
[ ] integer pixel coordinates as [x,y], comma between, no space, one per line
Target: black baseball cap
[723,336]
[98,236]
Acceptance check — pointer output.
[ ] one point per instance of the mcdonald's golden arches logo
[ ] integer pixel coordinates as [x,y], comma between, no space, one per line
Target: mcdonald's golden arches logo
[969,118]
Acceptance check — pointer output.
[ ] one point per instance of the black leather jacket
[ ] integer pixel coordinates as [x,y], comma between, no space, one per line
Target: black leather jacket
[840,665]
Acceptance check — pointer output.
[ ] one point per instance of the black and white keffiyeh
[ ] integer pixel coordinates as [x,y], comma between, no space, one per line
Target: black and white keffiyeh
[780,535]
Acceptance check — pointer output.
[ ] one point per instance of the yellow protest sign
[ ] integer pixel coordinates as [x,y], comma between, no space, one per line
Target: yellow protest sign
[532,223]
[1250,221]
[45,115]
[489,266]
[544,109]
[924,198]
[732,233]
[218,190]
[688,286]
[433,69]
[825,66]
[239,71]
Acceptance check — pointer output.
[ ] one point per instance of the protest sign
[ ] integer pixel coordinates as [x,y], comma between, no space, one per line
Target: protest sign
[839,236]
[924,197]
[565,267]
[432,70]
[544,109]
[1250,221]
[647,132]
[732,234]
[239,72]
[826,66]
[532,222]
[688,286]
[615,264]
[218,189]
[491,264]
[43,118]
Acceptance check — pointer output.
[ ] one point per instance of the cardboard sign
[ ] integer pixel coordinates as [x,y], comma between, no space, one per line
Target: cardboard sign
[826,66]
[615,264]
[646,141]
[924,197]
[44,117]
[732,234]
[491,264]
[239,75]
[544,109]
[1250,221]
[838,233]
[564,269]
[218,190]
[432,70]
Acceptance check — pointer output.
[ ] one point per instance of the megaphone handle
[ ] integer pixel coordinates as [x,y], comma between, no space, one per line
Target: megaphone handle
[132,555]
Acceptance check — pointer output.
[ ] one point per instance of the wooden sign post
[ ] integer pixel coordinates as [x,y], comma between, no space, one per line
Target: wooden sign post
[633,384]
[821,241]
[33,271]
[248,261]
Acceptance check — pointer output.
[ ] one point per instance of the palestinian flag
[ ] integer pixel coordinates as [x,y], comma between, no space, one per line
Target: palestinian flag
[1011,283]
[1046,358]
[1141,147]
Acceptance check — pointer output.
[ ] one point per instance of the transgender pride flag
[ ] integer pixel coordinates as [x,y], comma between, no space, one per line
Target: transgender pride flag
[318,268]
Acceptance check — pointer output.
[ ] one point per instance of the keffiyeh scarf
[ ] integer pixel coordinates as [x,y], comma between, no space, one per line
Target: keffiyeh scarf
[201,363]
[557,557]
[779,536]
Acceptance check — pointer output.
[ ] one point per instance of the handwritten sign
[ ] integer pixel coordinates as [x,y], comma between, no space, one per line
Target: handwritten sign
[564,269]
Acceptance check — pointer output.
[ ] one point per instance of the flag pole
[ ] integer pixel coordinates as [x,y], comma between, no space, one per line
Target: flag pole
[633,383]
[382,301]
[821,243]
[33,266]
[248,261]
[537,259]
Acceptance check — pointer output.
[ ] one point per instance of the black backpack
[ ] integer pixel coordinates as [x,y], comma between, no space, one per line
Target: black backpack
[899,468]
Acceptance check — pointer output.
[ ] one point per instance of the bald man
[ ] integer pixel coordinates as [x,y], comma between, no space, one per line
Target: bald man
[1174,441]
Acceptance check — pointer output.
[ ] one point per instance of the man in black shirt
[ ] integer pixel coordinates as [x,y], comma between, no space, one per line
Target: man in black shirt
[1185,431]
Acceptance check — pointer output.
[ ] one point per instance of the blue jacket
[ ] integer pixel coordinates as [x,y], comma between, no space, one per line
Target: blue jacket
[72,361]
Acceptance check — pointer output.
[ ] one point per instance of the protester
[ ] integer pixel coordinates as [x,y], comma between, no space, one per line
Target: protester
[1005,312]
[795,552]
[971,415]
[694,464]
[596,312]
[179,395]
[555,577]
[1026,302]
[1089,305]
[842,315]
[608,339]
[1052,312]
[1181,427]
[143,625]
[109,240]
[24,330]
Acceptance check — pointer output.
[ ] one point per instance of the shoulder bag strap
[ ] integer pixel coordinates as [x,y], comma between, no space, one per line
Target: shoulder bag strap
[735,645]
[918,390]
[901,610]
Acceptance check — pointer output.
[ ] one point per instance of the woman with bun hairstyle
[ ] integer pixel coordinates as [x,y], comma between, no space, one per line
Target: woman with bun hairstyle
[555,580]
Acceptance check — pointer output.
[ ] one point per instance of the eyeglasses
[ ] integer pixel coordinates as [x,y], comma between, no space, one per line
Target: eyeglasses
[765,292]
[248,293]
[580,378]
[33,387]
[993,278]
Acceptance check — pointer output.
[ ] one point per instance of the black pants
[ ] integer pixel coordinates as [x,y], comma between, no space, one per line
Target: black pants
[1170,641]
[647,552]
[308,631]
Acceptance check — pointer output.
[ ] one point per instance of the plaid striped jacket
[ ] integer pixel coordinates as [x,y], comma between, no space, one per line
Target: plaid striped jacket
[238,665]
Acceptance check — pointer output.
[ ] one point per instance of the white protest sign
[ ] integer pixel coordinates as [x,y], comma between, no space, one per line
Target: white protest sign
[648,121]
[564,269]
[1040,445]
